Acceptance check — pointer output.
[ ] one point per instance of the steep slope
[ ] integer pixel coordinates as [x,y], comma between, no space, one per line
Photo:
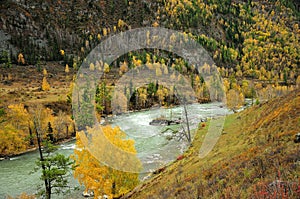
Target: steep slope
[41,28]
[255,157]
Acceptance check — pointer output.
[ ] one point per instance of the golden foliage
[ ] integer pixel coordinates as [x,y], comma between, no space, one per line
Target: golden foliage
[270,44]
[124,67]
[14,133]
[121,23]
[92,67]
[45,84]
[99,37]
[45,72]
[298,81]
[23,196]
[62,52]
[12,140]
[21,58]
[155,24]
[136,62]
[166,71]
[162,92]
[67,70]
[235,99]
[95,176]
[157,67]
[106,68]
[17,131]
[142,93]
[104,32]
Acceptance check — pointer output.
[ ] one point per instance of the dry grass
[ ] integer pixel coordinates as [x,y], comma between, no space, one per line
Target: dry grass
[255,149]
[24,86]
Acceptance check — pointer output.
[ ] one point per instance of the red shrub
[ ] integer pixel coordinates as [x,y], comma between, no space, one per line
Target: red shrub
[180,157]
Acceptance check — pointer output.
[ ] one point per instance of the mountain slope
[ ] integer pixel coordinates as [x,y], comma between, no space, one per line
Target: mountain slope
[255,157]
[227,29]
[41,28]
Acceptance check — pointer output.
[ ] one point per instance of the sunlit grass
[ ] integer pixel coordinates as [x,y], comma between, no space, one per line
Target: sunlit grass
[254,148]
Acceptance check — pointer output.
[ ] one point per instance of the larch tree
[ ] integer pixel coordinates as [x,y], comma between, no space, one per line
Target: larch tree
[298,81]
[92,67]
[61,125]
[166,71]
[106,68]
[161,95]
[62,52]
[21,59]
[142,92]
[102,98]
[235,99]
[18,116]
[45,84]
[104,32]
[45,72]
[97,177]
[14,128]
[123,67]
[55,170]
[67,70]
[158,71]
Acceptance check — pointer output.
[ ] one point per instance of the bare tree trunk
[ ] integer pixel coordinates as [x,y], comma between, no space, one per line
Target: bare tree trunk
[47,185]
[31,143]
[187,123]
[67,130]
[74,130]
[38,116]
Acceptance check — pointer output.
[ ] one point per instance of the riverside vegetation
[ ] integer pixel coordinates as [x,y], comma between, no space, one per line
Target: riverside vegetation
[254,44]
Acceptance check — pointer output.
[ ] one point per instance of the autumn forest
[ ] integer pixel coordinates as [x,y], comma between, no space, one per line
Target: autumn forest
[252,75]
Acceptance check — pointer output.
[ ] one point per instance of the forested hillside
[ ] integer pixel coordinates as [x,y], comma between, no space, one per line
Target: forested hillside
[254,44]
[248,40]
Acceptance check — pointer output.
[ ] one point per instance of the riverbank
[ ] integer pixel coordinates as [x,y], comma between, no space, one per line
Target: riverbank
[109,118]
[18,175]
[8,157]
[106,120]
[255,156]
[153,147]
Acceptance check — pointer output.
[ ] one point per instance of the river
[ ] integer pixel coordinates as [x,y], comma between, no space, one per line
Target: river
[154,148]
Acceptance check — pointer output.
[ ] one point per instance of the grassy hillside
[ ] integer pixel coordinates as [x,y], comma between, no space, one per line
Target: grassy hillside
[255,157]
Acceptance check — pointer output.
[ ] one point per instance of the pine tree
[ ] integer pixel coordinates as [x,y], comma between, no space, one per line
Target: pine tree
[55,169]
